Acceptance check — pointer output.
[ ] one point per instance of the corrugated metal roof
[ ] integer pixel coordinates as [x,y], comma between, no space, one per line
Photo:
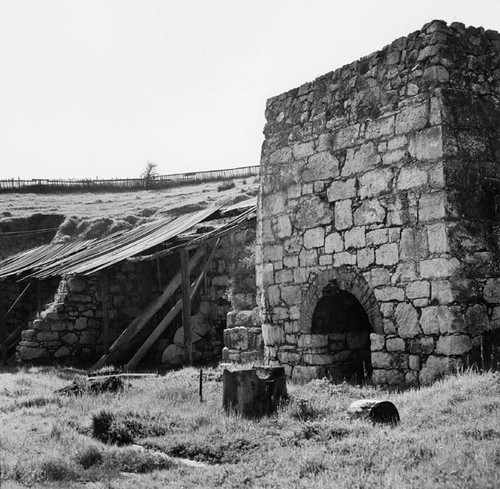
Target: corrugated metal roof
[88,257]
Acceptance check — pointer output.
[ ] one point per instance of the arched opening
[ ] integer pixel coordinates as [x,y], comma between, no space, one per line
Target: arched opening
[341,316]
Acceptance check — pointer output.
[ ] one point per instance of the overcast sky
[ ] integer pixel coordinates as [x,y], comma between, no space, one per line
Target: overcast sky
[98,87]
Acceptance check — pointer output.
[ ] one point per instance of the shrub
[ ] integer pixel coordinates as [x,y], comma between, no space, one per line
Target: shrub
[108,429]
[226,186]
[89,456]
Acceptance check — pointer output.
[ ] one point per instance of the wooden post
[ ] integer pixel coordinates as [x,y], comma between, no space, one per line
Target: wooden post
[3,326]
[38,296]
[186,306]
[105,322]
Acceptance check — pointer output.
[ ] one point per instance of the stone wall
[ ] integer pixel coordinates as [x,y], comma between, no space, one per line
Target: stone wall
[33,301]
[70,329]
[381,180]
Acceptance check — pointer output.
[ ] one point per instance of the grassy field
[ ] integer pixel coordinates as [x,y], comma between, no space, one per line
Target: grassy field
[449,436]
[113,205]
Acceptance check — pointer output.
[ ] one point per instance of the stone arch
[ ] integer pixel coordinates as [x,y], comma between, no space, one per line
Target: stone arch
[339,312]
[345,279]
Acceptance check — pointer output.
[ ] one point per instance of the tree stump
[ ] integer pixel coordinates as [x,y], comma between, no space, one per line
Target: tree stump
[377,411]
[253,392]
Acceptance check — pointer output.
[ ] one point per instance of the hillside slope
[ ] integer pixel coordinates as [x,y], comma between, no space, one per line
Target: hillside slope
[28,220]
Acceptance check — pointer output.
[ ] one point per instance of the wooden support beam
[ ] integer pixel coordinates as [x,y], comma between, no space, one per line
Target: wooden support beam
[105,319]
[3,326]
[186,307]
[137,325]
[158,274]
[153,337]
[19,297]
[38,296]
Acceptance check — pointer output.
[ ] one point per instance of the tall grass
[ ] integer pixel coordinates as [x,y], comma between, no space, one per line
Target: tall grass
[449,435]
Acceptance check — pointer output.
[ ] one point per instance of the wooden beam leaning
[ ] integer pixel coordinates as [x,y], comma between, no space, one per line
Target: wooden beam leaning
[186,306]
[121,343]
[3,325]
[105,319]
[153,337]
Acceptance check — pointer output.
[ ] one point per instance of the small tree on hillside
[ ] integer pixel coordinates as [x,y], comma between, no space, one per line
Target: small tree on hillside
[149,173]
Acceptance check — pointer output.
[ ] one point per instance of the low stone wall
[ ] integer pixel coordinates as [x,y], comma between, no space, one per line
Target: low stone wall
[71,327]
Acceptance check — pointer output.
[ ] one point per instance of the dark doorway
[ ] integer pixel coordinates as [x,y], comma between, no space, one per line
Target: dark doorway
[340,316]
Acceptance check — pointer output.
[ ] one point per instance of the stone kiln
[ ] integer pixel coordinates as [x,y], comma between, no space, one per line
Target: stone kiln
[378,226]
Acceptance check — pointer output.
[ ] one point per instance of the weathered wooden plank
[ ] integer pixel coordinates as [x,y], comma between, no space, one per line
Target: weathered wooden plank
[153,337]
[3,326]
[123,341]
[19,297]
[186,306]
[105,320]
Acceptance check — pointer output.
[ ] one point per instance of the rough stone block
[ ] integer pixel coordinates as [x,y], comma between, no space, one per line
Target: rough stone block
[355,238]
[436,319]
[379,128]
[439,267]
[313,212]
[28,354]
[236,338]
[395,377]
[381,360]
[369,212]
[321,166]
[491,291]
[442,291]
[407,321]
[303,374]
[411,177]
[174,355]
[413,244]
[312,340]
[361,159]
[412,118]
[344,258]
[386,294]
[341,190]
[334,243]
[432,207]
[374,183]
[437,238]
[427,144]
[62,352]
[387,254]
[291,294]
[405,272]
[453,345]
[377,237]
[76,284]
[239,318]
[414,362]
[379,377]
[273,334]
[314,238]
[343,214]
[317,359]
[303,150]
[377,342]
[366,257]
[81,323]
[418,290]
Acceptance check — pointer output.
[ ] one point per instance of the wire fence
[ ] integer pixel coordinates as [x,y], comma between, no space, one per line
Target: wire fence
[43,185]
